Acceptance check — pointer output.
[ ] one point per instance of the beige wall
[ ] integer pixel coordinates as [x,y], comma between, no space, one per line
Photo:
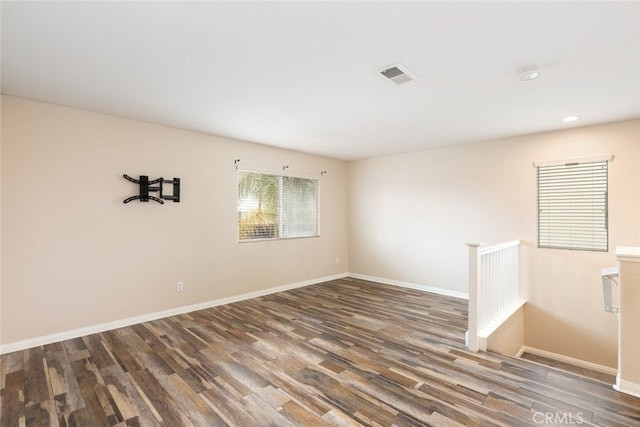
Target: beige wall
[629,371]
[509,337]
[1,303]
[411,214]
[74,255]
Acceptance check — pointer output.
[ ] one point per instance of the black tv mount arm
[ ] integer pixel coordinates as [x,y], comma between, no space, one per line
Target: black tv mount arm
[146,187]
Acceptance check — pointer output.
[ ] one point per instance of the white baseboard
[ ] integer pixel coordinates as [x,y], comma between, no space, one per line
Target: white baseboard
[94,329]
[439,291]
[566,359]
[627,387]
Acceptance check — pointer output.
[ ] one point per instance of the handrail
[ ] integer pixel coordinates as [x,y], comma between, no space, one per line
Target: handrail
[493,248]
[494,289]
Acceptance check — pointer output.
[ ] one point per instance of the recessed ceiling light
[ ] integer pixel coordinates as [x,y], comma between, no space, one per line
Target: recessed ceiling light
[529,74]
[570,119]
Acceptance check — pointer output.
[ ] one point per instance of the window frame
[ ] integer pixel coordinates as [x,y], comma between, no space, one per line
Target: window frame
[279,224]
[565,174]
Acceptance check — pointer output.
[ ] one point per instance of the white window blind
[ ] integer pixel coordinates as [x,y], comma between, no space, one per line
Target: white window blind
[299,207]
[274,206]
[572,206]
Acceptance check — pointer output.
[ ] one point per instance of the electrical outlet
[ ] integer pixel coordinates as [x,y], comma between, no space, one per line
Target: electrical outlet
[179,287]
[337,260]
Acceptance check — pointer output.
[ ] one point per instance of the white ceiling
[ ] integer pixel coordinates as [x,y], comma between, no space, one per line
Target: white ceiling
[303,75]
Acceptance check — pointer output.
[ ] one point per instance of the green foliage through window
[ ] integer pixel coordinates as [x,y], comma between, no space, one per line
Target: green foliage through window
[276,207]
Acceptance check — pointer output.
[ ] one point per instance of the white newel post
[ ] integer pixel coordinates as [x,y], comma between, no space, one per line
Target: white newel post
[628,379]
[474,295]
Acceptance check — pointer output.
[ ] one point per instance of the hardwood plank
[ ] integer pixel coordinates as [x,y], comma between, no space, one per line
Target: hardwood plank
[100,353]
[76,349]
[13,408]
[346,353]
[126,398]
[93,393]
[228,406]
[266,415]
[41,414]
[36,387]
[67,397]
[191,404]
[300,415]
[300,393]
[123,355]
[570,368]
[342,397]
[162,401]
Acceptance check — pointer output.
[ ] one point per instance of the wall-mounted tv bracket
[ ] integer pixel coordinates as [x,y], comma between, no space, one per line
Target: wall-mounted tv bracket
[146,187]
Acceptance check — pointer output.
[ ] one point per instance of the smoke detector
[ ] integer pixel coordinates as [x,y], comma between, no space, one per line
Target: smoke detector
[529,74]
[397,74]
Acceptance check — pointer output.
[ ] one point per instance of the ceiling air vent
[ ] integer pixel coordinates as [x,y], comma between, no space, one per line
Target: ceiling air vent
[397,74]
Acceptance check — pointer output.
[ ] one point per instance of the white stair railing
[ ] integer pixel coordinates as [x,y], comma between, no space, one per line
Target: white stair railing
[494,289]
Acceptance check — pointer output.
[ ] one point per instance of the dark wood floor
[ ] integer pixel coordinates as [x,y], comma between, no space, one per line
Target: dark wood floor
[346,352]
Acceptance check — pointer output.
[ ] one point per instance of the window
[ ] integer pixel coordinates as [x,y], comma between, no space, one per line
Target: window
[276,207]
[572,206]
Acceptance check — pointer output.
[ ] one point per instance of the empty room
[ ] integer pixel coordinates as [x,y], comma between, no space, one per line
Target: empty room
[296,213]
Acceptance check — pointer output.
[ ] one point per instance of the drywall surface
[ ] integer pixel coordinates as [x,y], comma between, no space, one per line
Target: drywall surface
[411,215]
[74,255]
[628,379]
[509,337]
